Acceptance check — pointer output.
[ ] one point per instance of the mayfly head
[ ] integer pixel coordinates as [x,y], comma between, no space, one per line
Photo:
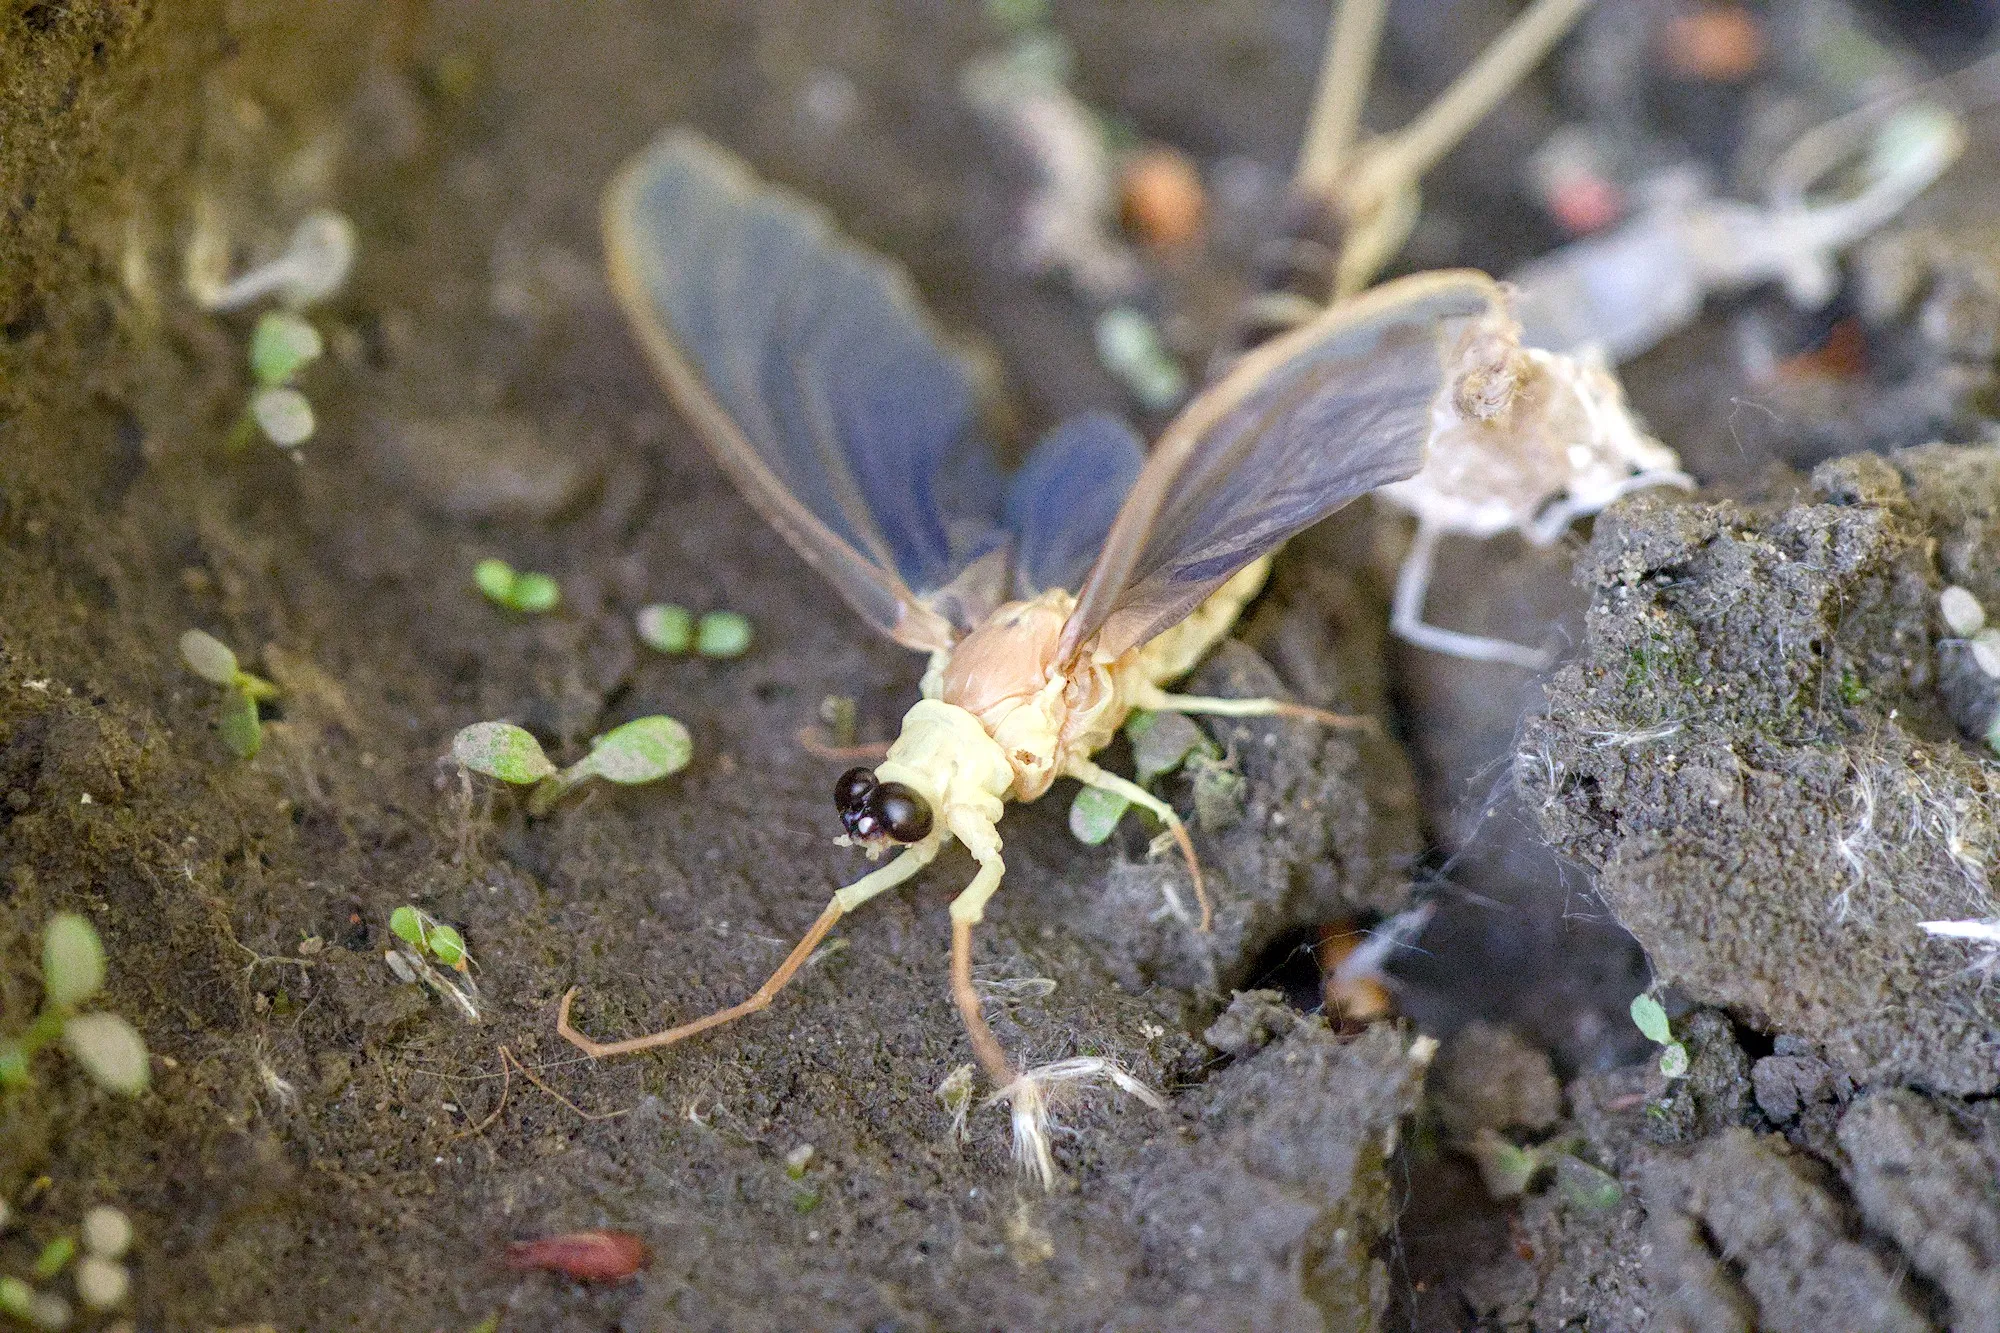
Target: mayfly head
[874,812]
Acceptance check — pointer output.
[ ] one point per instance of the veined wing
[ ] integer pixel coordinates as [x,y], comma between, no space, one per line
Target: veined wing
[814,377]
[1063,501]
[1295,430]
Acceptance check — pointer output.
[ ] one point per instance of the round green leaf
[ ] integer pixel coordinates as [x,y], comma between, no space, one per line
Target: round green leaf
[406,923]
[72,960]
[446,944]
[1674,1060]
[284,415]
[208,657]
[535,593]
[722,634]
[110,1050]
[665,628]
[501,750]
[643,750]
[1095,813]
[1651,1018]
[495,578]
[282,346]
[1164,745]
[241,730]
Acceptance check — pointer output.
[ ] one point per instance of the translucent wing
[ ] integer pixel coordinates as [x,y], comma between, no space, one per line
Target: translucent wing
[1296,429]
[813,376]
[1061,504]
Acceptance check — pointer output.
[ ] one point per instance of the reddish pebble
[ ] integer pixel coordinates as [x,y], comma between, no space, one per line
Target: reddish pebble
[587,1256]
[1715,44]
[1161,197]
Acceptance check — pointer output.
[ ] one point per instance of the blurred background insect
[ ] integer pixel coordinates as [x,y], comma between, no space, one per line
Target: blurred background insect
[1050,603]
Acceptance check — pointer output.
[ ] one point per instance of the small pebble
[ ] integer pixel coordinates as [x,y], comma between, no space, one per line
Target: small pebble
[107,1232]
[1161,199]
[1715,43]
[1963,614]
[1986,651]
[102,1284]
[798,1159]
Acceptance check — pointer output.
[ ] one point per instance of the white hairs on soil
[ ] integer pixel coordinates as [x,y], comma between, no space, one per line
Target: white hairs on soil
[1038,1093]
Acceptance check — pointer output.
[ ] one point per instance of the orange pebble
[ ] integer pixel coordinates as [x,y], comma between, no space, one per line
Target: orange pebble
[1715,44]
[1161,198]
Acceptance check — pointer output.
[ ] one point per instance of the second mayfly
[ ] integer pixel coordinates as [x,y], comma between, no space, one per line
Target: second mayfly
[1051,603]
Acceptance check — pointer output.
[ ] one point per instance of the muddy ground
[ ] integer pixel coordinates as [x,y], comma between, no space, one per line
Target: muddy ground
[327,1147]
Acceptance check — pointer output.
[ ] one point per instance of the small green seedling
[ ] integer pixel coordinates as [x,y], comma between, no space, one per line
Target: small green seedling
[1650,1017]
[211,659]
[529,594]
[722,634]
[643,750]
[427,934]
[108,1048]
[666,628]
[280,350]
[55,1257]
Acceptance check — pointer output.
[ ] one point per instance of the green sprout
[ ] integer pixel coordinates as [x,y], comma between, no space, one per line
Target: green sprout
[280,349]
[426,934]
[109,1049]
[643,750]
[55,1257]
[211,659]
[666,628]
[722,634]
[526,593]
[1650,1017]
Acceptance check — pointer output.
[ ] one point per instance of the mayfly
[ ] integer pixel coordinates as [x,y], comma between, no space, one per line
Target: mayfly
[1051,603]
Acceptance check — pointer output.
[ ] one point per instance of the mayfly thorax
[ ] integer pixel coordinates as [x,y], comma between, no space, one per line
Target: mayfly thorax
[1050,602]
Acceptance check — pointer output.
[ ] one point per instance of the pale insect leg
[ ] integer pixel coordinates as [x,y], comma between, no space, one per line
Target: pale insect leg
[1088,773]
[1554,521]
[967,910]
[1159,701]
[1406,615]
[909,862]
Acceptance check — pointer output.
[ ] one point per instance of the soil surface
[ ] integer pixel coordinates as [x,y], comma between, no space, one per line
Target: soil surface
[326,1145]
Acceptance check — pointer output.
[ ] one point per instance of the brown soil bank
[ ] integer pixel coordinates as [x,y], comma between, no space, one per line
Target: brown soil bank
[325,1146]
[1763,752]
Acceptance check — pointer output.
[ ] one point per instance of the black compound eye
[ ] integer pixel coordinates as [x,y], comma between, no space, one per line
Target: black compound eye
[853,789]
[900,812]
